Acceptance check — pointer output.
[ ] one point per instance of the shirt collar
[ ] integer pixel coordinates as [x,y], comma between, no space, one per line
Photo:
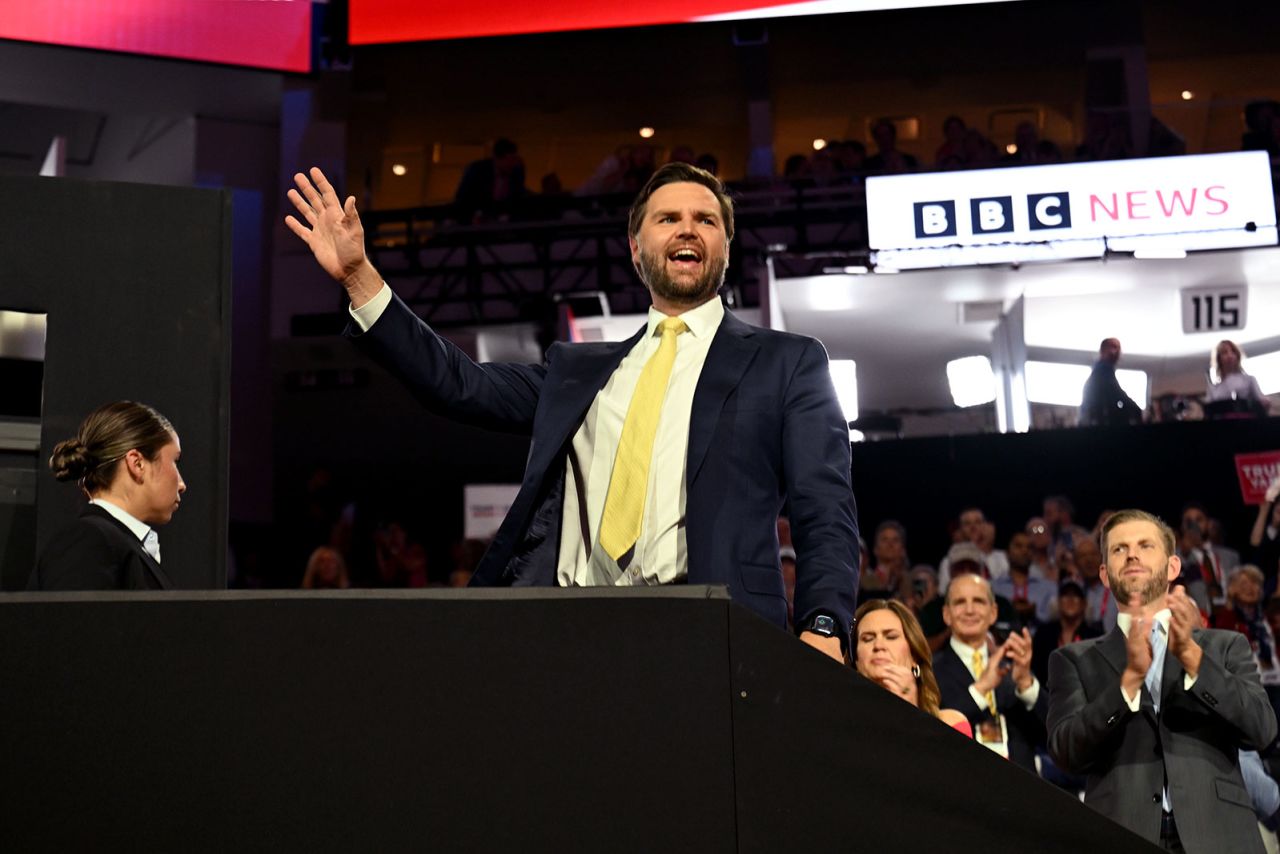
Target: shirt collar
[1162,617]
[965,651]
[139,528]
[702,321]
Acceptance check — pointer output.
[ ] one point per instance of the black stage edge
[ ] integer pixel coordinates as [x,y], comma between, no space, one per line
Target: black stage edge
[477,721]
[136,283]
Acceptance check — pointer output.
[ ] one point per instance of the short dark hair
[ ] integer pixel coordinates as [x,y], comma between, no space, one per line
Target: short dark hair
[503,146]
[678,173]
[1120,517]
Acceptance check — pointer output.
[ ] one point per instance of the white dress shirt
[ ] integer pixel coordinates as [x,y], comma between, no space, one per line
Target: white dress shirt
[962,649]
[660,555]
[144,532]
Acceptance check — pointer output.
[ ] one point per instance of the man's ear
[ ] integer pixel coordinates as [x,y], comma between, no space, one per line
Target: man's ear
[946,614]
[1175,567]
[635,249]
[1106,578]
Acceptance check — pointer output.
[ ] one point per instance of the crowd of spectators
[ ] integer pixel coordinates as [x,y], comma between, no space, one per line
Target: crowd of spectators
[494,188]
[1046,582]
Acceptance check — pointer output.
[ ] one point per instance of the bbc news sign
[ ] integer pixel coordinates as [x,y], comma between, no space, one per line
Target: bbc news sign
[1201,201]
[1256,472]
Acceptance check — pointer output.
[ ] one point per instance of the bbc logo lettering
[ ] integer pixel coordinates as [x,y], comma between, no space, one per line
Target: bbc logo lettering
[992,215]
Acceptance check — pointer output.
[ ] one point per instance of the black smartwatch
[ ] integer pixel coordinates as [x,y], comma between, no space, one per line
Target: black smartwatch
[821,624]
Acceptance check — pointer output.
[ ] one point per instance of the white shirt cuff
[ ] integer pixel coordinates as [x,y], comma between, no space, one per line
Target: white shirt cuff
[1029,696]
[367,315]
[979,699]
[1188,680]
[1135,703]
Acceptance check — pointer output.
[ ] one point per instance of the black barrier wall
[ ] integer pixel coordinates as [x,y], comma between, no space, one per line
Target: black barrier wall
[665,720]
[135,281]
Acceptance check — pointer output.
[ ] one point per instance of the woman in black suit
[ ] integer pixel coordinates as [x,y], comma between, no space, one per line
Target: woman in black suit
[125,459]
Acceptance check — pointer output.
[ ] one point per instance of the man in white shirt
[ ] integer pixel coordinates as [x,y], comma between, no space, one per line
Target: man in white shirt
[1156,711]
[741,422]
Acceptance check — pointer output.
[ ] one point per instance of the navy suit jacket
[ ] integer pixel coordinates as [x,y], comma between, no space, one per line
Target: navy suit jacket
[97,552]
[765,429]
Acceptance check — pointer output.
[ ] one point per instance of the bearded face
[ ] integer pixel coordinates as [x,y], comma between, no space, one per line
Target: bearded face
[681,249]
[659,271]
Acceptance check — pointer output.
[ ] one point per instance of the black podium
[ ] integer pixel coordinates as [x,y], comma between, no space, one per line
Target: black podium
[458,721]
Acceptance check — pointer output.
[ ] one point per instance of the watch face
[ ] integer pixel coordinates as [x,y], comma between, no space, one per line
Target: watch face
[823,625]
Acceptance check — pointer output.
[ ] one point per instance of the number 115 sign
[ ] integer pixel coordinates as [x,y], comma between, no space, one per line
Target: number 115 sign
[1213,309]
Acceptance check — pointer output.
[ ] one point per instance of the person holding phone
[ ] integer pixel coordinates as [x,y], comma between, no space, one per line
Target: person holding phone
[891,651]
[990,681]
[125,459]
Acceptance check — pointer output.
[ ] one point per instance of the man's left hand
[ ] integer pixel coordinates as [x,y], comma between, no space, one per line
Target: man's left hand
[831,646]
[1018,650]
[1184,618]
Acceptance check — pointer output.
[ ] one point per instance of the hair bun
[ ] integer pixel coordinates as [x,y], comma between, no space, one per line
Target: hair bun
[70,460]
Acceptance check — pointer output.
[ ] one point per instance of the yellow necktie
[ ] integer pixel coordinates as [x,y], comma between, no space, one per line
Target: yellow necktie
[977,671]
[624,504]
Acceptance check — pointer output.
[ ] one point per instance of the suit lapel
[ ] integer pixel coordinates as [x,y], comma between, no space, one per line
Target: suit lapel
[731,352]
[154,567]
[1112,649]
[585,371]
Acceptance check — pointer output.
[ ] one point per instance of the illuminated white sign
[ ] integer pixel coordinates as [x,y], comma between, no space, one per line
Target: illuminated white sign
[1073,210]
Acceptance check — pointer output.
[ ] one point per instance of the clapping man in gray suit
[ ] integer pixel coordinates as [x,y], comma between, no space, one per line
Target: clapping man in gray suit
[1155,712]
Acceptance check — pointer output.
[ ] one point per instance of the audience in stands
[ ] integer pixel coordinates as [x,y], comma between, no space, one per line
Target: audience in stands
[950,155]
[1262,127]
[1100,605]
[1033,598]
[1026,146]
[1231,391]
[1245,611]
[991,684]
[1106,137]
[1069,627]
[1264,538]
[326,570]
[889,550]
[490,186]
[974,528]
[891,651]
[923,588]
[1039,540]
[1103,402]
[1059,515]
[888,160]
[1205,567]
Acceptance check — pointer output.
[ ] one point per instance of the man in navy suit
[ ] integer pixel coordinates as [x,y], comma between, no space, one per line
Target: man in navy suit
[748,421]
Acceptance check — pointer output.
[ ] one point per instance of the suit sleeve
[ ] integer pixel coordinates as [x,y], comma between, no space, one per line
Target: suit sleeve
[816,473]
[1231,690]
[1080,728]
[493,396]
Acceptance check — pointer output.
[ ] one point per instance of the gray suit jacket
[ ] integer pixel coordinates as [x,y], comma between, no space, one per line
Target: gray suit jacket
[1193,741]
